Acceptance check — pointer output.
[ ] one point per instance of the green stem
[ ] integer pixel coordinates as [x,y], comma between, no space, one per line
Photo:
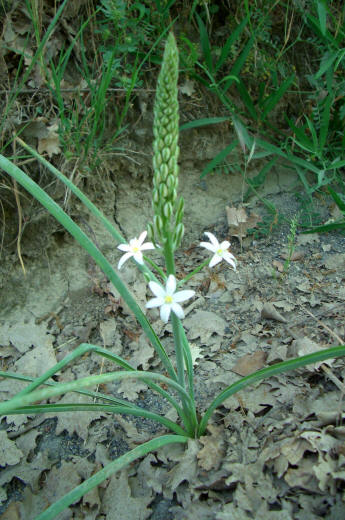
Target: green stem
[179,347]
[156,267]
[190,275]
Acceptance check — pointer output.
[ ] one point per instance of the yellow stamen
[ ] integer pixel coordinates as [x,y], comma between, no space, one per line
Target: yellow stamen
[168,299]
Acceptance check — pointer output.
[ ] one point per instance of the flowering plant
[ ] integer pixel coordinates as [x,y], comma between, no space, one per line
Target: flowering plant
[166,229]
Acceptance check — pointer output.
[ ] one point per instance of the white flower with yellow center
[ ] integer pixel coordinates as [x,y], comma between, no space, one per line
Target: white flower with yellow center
[134,249]
[167,299]
[220,251]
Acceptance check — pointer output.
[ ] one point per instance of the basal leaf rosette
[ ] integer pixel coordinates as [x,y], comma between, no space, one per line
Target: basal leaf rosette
[168,211]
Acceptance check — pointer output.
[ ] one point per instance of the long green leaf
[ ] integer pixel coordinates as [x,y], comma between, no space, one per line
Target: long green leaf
[114,466]
[278,368]
[62,388]
[95,407]
[90,247]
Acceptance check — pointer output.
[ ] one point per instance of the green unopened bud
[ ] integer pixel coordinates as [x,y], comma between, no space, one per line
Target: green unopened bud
[170,182]
[167,210]
[163,169]
[178,235]
[163,191]
[179,211]
[155,196]
[158,224]
[150,232]
[165,154]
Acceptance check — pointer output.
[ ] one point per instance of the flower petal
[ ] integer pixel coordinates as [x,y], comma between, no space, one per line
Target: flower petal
[228,257]
[124,259]
[212,239]
[123,247]
[215,260]
[165,312]
[224,245]
[155,302]
[181,296]
[170,285]
[208,246]
[147,245]
[138,256]
[177,309]
[142,238]
[157,289]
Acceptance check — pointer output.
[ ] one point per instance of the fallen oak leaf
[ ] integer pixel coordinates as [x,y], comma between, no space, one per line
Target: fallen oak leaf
[51,143]
[239,222]
[250,363]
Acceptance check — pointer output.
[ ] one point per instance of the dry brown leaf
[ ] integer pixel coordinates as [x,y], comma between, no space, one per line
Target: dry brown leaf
[278,265]
[239,222]
[9,453]
[186,469]
[187,88]
[51,143]
[211,455]
[119,503]
[250,363]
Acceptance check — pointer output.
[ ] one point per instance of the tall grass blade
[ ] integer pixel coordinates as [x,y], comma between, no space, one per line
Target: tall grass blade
[234,36]
[274,99]
[218,159]
[205,43]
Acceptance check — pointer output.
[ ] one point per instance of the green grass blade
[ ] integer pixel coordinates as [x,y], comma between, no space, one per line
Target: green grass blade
[234,36]
[322,14]
[278,368]
[90,247]
[326,63]
[205,43]
[339,202]
[247,100]
[274,98]
[204,122]
[17,88]
[324,123]
[240,61]
[114,466]
[326,228]
[218,159]
[95,407]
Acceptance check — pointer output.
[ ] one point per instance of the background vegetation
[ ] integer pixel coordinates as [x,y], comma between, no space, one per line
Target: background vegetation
[72,73]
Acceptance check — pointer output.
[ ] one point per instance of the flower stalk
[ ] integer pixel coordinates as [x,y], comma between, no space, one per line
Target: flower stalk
[167,226]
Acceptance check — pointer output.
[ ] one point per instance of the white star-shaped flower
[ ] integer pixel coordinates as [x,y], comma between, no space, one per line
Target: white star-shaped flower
[167,299]
[220,251]
[134,248]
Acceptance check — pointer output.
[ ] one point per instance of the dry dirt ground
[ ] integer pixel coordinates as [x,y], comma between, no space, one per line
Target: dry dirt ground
[274,451]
